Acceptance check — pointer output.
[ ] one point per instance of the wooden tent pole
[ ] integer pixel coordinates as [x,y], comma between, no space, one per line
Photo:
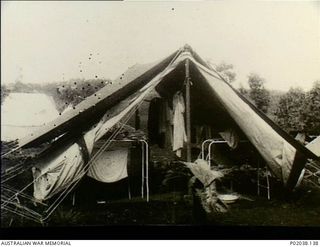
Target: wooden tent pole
[188,119]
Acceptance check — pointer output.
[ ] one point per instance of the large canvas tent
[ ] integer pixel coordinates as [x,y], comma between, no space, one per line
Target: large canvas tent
[210,100]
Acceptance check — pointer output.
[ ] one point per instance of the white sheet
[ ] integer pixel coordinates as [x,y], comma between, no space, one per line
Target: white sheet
[179,132]
[111,166]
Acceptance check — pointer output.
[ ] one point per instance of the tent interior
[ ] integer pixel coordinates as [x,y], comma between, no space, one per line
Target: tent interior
[152,90]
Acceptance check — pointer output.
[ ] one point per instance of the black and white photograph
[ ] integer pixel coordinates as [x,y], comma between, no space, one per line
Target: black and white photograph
[203,116]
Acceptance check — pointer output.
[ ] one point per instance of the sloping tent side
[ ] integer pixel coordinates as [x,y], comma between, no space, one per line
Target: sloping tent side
[56,172]
[90,110]
[282,157]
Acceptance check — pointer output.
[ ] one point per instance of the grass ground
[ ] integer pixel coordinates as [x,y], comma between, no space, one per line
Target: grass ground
[173,209]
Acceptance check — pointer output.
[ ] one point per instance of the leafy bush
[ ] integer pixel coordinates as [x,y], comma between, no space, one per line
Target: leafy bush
[300,111]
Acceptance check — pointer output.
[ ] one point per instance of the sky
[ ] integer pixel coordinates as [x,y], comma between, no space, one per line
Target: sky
[53,41]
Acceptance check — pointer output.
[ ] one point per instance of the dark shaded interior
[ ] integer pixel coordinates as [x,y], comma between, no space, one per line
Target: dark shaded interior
[205,107]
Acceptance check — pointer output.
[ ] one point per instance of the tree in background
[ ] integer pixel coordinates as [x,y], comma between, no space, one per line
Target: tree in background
[72,92]
[244,91]
[311,111]
[4,92]
[259,95]
[226,71]
[20,87]
[300,111]
[275,96]
[290,113]
[66,93]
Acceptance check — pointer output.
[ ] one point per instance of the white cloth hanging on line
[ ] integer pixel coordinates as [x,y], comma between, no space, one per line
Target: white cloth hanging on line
[111,166]
[179,131]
